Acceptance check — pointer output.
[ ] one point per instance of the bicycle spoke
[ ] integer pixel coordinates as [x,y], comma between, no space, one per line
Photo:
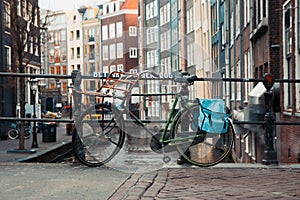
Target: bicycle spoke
[205,149]
[101,137]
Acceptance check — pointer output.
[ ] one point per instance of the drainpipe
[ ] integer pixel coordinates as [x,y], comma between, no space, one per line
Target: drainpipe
[229,52]
[142,51]
[183,38]
[158,55]
[234,53]
[2,56]
[241,50]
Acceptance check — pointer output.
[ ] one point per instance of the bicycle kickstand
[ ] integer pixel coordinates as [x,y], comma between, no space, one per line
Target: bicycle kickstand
[166,158]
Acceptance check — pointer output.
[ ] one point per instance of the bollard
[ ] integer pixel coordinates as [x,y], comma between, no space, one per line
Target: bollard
[269,155]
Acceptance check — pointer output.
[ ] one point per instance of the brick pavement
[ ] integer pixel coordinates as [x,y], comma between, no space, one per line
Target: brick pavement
[212,183]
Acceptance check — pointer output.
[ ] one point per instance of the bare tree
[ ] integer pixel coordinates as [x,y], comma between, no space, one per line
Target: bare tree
[25,33]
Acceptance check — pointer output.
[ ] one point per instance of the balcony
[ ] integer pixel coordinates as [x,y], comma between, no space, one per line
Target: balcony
[260,29]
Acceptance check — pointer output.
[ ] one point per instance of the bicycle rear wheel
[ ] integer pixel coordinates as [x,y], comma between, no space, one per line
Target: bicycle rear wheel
[199,147]
[98,135]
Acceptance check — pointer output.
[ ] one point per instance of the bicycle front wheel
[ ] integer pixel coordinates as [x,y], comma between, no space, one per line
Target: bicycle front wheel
[199,147]
[98,135]
[13,134]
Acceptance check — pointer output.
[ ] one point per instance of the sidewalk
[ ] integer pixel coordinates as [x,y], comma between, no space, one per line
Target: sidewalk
[226,181]
[171,181]
[6,145]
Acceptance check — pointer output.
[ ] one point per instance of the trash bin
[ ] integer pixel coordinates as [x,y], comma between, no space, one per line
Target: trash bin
[49,132]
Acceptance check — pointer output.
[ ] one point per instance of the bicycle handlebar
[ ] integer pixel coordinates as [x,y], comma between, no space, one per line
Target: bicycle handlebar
[183,77]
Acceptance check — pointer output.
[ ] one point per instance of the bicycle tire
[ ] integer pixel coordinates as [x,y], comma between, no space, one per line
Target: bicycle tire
[96,141]
[202,149]
[27,133]
[13,134]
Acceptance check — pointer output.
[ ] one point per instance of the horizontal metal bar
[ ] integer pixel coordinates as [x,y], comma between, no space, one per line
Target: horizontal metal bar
[248,122]
[36,119]
[146,121]
[263,123]
[35,75]
[165,94]
[158,78]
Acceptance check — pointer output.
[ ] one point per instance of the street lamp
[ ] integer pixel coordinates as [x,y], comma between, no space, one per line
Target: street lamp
[34,87]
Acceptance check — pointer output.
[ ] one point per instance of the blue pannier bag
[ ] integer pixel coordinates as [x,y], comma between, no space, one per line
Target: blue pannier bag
[213,117]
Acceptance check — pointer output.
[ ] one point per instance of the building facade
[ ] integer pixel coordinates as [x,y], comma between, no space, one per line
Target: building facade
[20,52]
[289,136]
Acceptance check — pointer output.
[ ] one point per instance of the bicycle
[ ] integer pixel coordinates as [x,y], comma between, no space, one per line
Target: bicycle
[100,130]
[14,132]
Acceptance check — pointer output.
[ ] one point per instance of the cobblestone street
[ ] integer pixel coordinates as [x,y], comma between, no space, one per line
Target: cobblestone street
[212,183]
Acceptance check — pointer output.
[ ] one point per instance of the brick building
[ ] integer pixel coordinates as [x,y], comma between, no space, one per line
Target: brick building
[289,138]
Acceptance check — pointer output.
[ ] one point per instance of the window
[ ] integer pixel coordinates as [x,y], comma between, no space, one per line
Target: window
[112,68]
[246,12]
[120,68]
[298,14]
[190,20]
[120,50]
[78,34]
[63,54]
[112,51]
[119,29]
[78,52]
[289,85]
[105,52]
[112,32]
[7,15]
[132,31]
[105,69]
[52,70]
[288,29]
[8,57]
[72,35]
[51,37]
[147,11]
[72,53]
[51,56]
[104,32]
[64,68]
[132,52]
[63,35]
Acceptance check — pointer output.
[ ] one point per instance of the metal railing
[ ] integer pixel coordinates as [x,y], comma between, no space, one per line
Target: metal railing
[269,122]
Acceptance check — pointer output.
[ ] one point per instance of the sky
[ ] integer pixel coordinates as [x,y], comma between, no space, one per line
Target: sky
[65,4]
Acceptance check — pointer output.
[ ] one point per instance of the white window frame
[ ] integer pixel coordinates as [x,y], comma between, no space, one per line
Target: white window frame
[8,56]
[119,29]
[112,68]
[112,51]
[120,50]
[112,31]
[7,22]
[132,31]
[105,69]
[120,67]
[133,52]
[104,32]
[105,52]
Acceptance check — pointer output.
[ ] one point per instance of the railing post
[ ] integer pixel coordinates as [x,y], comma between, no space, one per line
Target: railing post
[269,155]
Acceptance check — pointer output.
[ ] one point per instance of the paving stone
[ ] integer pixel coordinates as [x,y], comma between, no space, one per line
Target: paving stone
[216,183]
